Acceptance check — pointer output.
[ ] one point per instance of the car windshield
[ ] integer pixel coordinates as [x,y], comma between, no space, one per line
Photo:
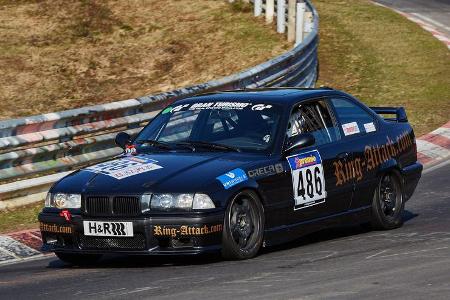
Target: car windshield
[216,125]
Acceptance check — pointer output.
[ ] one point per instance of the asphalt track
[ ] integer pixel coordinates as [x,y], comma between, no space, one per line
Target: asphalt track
[434,12]
[410,262]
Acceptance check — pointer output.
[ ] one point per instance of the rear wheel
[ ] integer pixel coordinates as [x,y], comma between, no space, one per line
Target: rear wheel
[78,259]
[243,227]
[387,204]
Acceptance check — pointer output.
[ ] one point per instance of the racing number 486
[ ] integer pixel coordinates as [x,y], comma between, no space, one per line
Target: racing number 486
[309,184]
[313,183]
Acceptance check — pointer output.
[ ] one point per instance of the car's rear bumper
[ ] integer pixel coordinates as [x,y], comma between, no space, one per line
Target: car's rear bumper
[411,175]
[151,235]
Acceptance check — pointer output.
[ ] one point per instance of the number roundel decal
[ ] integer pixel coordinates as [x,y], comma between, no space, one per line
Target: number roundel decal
[307,179]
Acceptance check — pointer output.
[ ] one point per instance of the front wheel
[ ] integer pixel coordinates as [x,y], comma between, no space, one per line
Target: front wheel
[243,227]
[388,205]
[78,259]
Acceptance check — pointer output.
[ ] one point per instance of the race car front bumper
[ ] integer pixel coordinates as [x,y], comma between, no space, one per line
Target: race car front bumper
[155,235]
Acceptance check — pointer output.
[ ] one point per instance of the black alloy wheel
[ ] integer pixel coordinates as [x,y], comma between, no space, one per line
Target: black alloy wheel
[243,227]
[388,204]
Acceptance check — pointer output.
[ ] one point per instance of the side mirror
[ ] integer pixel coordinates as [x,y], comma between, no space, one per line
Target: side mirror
[122,139]
[301,141]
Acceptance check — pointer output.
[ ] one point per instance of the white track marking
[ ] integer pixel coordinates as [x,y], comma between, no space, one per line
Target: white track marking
[438,166]
[429,20]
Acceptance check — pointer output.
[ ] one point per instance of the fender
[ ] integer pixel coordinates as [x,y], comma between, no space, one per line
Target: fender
[388,166]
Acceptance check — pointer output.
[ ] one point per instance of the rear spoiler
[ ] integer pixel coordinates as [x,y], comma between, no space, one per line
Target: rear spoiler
[399,112]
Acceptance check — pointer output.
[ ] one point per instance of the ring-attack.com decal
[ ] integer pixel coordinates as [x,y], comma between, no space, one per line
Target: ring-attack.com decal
[232,178]
[125,167]
[308,181]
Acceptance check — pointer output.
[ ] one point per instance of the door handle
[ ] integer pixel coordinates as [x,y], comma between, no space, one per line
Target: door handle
[343,155]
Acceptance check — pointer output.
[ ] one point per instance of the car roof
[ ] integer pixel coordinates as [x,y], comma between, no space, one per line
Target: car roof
[283,96]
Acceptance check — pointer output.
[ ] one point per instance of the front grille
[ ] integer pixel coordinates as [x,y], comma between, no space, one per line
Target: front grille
[136,242]
[97,206]
[112,206]
[126,206]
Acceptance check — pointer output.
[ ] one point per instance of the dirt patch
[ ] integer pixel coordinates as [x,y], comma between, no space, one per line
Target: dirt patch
[59,54]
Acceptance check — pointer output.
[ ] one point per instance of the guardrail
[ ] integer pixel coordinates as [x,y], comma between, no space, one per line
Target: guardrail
[38,150]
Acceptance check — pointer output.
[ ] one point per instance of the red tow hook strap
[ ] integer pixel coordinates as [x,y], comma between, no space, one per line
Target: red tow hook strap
[66,214]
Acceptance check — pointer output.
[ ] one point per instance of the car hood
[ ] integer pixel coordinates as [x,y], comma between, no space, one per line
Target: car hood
[159,172]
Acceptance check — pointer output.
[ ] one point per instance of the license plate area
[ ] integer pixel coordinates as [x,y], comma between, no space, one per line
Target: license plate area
[109,228]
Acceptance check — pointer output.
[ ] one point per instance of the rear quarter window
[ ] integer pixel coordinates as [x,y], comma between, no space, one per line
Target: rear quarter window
[353,118]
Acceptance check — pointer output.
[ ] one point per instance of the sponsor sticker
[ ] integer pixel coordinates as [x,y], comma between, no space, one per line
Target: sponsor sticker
[217,105]
[350,128]
[186,230]
[98,228]
[125,167]
[308,180]
[54,228]
[266,171]
[167,110]
[369,127]
[130,149]
[261,106]
[232,178]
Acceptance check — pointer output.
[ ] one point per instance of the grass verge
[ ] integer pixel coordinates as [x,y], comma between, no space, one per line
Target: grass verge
[385,60]
[20,218]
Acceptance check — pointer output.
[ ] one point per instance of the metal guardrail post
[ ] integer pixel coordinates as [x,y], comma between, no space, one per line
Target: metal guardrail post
[281,16]
[300,20]
[257,8]
[292,7]
[270,10]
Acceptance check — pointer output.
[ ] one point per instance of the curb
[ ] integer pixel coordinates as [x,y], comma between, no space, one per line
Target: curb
[20,246]
[434,147]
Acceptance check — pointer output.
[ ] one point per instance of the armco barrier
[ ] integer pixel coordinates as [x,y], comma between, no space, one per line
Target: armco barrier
[34,150]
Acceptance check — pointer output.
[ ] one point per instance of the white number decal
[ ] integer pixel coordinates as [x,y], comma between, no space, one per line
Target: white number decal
[307,179]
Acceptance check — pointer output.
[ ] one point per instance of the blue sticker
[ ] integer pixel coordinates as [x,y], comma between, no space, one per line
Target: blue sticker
[304,160]
[232,178]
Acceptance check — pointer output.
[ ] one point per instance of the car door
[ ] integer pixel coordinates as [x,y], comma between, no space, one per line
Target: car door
[359,128]
[314,189]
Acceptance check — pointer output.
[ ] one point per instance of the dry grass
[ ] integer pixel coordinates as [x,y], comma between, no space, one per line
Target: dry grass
[58,54]
[384,59]
[20,218]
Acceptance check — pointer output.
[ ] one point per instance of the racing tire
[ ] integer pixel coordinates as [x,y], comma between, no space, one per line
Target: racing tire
[78,259]
[388,203]
[243,232]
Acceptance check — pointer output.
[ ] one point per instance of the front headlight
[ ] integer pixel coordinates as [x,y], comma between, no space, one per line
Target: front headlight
[61,200]
[185,202]
[202,201]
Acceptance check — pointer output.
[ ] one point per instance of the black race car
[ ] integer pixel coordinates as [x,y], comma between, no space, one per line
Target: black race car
[234,172]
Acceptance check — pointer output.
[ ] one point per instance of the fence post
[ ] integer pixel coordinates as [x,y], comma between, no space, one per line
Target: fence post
[291,20]
[309,22]
[281,16]
[270,10]
[258,8]
[301,8]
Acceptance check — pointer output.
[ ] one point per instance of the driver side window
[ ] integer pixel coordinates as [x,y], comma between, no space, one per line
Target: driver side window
[314,118]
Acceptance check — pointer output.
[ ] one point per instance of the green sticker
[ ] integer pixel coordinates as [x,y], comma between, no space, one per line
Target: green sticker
[167,110]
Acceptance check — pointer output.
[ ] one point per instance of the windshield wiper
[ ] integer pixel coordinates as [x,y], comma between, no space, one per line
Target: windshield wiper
[156,144]
[202,144]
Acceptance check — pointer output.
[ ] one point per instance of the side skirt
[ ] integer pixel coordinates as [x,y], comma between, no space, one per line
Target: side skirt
[286,233]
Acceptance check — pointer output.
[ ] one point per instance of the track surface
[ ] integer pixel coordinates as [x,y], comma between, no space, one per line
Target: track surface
[434,12]
[411,262]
